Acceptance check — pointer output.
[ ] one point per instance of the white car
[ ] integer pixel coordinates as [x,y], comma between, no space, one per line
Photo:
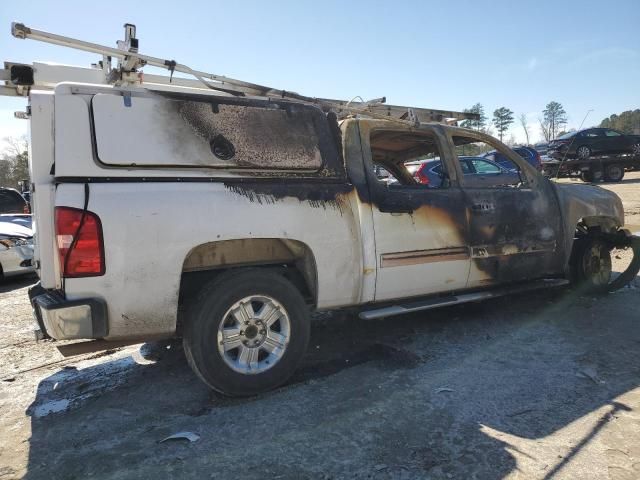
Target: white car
[16,245]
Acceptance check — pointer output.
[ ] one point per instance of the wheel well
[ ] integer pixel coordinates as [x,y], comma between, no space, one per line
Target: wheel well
[290,258]
[602,224]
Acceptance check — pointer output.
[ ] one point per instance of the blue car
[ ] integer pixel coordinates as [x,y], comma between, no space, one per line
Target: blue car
[529,154]
[478,172]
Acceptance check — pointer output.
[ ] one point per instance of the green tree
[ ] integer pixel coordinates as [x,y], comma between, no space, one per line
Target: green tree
[502,119]
[554,119]
[14,162]
[627,122]
[479,124]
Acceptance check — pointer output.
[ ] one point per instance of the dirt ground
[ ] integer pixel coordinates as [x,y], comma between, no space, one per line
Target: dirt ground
[535,386]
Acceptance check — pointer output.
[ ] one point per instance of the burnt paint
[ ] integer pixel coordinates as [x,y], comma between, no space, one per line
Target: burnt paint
[199,111]
[525,223]
[526,219]
[318,194]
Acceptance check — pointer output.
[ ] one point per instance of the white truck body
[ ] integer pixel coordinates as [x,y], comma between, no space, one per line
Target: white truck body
[225,217]
[153,218]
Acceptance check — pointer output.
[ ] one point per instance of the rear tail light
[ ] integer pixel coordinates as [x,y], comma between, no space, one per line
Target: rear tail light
[421,177]
[80,245]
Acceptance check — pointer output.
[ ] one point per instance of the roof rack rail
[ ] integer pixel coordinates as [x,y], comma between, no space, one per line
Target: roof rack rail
[21,78]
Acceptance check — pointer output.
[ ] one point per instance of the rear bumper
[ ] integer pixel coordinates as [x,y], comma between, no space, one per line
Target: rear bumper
[68,319]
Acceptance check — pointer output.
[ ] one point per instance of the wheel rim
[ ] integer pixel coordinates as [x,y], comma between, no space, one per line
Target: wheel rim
[636,148]
[615,172]
[597,265]
[583,152]
[254,334]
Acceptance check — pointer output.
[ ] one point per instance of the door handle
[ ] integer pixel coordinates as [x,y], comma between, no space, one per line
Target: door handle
[483,207]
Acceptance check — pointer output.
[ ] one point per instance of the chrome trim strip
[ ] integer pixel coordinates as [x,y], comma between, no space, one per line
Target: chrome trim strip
[417,257]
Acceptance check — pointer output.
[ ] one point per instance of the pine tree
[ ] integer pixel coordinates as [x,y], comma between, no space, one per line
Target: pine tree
[555,118]
[502,119]
[479,124]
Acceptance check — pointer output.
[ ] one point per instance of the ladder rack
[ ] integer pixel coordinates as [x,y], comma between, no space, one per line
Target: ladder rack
[19,79]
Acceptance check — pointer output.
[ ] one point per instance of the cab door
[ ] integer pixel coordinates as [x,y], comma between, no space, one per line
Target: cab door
[514,225]
[420,232]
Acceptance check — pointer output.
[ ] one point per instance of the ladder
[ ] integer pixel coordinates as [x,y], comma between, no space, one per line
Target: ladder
[20,78]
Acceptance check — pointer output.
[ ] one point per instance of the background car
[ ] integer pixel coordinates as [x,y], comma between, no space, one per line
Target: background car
[16,245]
[531,155]
[478,172]
[593,141]
[12,202]
[541,148]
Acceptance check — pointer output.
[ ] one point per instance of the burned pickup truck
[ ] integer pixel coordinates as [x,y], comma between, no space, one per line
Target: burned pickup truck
[225,212]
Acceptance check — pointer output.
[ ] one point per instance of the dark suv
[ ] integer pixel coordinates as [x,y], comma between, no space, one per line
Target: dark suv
[12,202]
[593,141]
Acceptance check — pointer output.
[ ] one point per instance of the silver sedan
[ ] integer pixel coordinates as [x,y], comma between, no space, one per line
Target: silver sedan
[16,245]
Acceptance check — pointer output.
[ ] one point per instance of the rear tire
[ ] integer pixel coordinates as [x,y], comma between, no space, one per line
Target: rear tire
[614,173]
[246,332]
[583,152]
[586,177]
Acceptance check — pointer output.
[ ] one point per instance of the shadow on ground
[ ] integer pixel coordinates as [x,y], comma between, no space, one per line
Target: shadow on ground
[15,283]
[411,395]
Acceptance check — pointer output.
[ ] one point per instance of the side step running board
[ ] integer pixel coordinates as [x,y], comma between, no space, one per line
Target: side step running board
[430,303]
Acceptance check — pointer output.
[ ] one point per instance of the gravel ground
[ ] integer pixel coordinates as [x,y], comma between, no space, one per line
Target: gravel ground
[535,386]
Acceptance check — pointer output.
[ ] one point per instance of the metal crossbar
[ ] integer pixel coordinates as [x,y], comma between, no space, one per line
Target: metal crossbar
[20,78]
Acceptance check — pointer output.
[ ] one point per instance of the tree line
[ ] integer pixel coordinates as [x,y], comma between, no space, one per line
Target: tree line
[552,121]
[14,163]
[627,122]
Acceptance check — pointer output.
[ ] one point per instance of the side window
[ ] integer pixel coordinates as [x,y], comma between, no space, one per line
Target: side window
[612,133]
[591,133]
[484,167]
[410,159]
[502,172]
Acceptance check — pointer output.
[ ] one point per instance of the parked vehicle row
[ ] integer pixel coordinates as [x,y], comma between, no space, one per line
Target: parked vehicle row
[16,234]
[477,171]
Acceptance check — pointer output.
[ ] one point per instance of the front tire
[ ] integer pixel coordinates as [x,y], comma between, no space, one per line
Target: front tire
[591,264]
[246,332]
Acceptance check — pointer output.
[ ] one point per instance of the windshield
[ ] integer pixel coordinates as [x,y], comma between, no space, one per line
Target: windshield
[566,135]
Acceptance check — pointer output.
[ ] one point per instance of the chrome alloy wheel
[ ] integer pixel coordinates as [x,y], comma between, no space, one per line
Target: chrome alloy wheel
[254,334]
[583,152]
